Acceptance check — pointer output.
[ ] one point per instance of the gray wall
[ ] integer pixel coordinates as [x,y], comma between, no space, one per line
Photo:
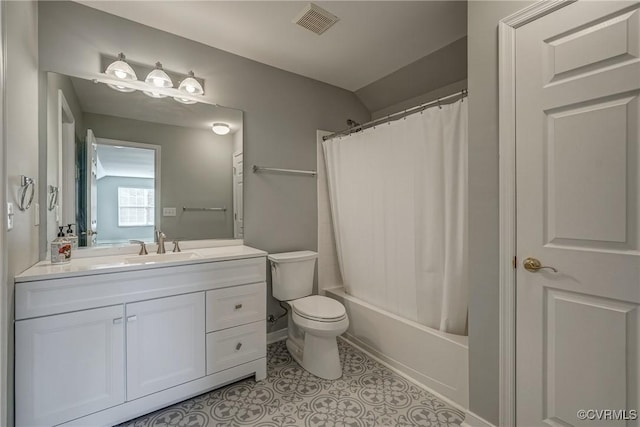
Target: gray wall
[21,139]
[195,170]
[398,91]
[483,17]
[108,229]
[282,111]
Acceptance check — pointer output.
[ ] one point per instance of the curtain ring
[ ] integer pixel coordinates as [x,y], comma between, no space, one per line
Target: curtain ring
[439,104]
[462,95]
[26,184]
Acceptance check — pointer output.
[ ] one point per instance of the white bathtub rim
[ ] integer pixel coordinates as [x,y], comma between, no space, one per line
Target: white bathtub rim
[404,375]
[460,340]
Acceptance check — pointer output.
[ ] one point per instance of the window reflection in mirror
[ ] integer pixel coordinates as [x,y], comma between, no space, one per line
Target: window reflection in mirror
[126,164]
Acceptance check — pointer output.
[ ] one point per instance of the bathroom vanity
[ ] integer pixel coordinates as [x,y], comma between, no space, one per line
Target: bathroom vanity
[106,339]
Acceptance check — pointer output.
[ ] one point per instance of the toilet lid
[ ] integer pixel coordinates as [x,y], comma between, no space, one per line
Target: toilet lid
[319,307]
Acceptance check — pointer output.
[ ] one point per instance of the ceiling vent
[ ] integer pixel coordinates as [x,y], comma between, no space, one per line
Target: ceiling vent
[315,19]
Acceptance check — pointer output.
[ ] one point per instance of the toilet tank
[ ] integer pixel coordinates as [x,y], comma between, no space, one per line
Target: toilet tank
[292,274]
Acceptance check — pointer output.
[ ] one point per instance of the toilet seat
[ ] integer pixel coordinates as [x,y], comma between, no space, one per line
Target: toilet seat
[319,309]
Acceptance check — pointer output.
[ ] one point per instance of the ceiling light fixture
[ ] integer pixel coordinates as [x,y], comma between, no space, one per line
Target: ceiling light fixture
[158,77]
[191,86]
[120,69]
[221,128]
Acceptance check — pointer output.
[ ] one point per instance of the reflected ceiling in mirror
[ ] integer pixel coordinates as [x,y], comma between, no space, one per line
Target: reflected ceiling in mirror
[125,164]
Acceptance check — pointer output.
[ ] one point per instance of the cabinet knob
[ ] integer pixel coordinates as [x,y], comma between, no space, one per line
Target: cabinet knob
[117,320]
[238,306]
[238,346]
[132,318]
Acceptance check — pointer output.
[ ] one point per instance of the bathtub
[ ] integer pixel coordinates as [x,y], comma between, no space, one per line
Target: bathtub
[437,360]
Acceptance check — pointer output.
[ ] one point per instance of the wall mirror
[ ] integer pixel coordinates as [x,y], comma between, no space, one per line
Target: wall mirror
[120,165]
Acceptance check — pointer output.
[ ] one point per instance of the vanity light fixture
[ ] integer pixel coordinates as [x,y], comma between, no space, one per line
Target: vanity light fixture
[191,86]
[157,84]
[184,100]
[120,69]
[220,128]
[154,94]
[158,78]
[121,88]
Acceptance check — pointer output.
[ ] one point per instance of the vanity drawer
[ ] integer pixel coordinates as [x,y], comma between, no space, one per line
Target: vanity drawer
[234,346]
[44,297]
[236,306]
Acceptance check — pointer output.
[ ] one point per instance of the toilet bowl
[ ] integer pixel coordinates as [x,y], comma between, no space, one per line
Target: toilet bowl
[314,321]
[321,320]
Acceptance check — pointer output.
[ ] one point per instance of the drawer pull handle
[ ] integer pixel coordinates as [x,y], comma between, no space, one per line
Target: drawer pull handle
[117,320]
[238,346]
[238,306]
[132,318]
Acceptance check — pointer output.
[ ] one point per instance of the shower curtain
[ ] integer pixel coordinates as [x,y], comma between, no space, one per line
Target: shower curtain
[398,195]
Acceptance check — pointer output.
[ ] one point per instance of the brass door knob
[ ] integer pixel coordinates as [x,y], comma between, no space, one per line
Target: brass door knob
[533,265]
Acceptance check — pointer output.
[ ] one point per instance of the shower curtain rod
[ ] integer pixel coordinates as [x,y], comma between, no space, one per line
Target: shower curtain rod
[396,116]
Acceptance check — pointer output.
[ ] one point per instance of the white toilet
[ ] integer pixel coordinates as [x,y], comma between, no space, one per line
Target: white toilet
[314,321]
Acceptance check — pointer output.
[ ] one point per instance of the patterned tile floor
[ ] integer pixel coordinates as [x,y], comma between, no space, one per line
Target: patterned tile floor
[368,394]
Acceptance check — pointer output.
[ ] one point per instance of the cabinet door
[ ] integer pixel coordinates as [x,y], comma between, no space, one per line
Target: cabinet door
[69,365]
[165,343]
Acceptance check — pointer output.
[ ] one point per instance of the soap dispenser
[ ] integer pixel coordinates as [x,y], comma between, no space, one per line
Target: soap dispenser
[60,249]
[72,237]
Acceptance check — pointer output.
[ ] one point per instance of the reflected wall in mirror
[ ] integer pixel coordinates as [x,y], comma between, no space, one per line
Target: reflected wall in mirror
[123,164]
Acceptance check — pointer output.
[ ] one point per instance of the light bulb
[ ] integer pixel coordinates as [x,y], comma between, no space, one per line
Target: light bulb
[121,88]
[120,69]
[154,94]
[191,86]
[158,77]
[184,100]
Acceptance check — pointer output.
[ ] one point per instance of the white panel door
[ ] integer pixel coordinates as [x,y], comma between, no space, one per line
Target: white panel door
[165,343]
[578,210]
[91,215]
[69,365]
[238,191]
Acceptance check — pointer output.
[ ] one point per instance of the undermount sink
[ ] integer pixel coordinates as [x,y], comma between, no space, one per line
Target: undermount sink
[168,257]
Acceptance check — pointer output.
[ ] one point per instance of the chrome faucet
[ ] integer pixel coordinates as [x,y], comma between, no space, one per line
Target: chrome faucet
[143,246]
[160,238]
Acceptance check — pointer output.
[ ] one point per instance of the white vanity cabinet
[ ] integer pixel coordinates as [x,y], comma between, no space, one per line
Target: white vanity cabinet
[69,365]
[165,343]
[99,349]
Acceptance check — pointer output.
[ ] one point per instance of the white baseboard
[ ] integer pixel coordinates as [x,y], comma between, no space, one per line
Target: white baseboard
[473,420]
[276,336]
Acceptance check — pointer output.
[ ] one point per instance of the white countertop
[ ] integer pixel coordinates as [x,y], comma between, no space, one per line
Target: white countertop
[87,266]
